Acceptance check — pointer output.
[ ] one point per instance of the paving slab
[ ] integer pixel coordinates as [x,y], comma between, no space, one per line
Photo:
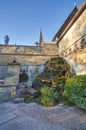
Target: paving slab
[7,117]
[36,117]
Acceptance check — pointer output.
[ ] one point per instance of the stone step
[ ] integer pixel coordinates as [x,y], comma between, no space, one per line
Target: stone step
[18,100]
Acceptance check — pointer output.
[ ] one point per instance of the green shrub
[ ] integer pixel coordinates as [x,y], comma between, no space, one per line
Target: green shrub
[55,73]
[75,90]
[48,96]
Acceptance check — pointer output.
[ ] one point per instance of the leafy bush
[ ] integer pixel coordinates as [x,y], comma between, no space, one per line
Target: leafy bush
[48,96]
[55,73]
[75,90]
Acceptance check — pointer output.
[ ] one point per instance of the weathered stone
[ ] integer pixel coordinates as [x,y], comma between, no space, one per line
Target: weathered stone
[0,96]
[18,100]
[19,92]
[29,84]
[27,55]
[7,92]
[21,86]
[33,92]
[70,45]
[7,117]
[6,95]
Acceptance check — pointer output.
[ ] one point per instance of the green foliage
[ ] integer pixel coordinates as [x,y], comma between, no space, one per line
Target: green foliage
[55,73]
[75,90]
[48,96]
[33,99]
[23,77]
[29,100]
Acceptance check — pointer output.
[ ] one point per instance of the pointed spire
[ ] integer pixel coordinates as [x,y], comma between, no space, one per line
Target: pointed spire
[41,41]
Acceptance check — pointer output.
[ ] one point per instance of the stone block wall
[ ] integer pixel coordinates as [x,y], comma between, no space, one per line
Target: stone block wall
[77,61]
[70,45]
[13,71]
[51,49]
[7,92]
[3,71]
[25,59]
[77,30]
[10,84]
[27,54]
[34,70]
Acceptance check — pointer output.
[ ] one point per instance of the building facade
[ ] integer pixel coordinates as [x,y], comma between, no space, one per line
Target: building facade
[71,40]
[69,43]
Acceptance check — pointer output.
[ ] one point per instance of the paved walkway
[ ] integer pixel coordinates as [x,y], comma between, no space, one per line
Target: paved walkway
[34,117]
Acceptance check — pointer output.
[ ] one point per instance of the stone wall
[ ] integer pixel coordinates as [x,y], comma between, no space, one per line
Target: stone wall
[51,49]
[30,58]
[34,70]
[3,71]
[70,45]
[13,71]
[27,55]
[7,92]
[10,83]
[25,59]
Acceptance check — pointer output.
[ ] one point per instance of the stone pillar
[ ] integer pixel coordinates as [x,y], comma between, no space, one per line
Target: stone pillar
[8,89]
[13,71]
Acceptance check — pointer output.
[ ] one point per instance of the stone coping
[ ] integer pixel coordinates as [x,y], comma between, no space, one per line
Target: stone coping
[13,64]
[8,85]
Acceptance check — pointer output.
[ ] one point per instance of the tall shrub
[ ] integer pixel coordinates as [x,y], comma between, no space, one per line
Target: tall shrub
[75,90]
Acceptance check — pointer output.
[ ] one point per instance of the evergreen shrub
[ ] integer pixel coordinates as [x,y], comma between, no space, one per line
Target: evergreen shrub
[75,90]
[48,96]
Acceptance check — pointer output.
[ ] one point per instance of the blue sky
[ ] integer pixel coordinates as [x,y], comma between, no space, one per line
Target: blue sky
[22,19]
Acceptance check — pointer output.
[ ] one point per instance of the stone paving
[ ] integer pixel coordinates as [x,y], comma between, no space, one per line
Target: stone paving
[35,117]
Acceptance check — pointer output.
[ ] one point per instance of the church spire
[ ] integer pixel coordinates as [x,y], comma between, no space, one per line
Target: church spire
[41,41]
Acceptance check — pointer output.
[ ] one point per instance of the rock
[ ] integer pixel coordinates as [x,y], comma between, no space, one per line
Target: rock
[19,92]
[29,83]
[18,100]
[33,92]
[6,95]
[29,92]
[61,104]
[21,86]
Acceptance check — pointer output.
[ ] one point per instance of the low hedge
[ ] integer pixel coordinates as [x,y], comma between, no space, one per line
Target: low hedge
[75,90]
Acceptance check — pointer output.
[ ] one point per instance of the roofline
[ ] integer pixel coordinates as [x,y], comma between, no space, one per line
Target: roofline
[66,22]
[10,45]
[80,11]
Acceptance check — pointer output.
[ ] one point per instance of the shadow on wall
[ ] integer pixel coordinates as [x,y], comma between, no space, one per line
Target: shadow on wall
[31,71]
